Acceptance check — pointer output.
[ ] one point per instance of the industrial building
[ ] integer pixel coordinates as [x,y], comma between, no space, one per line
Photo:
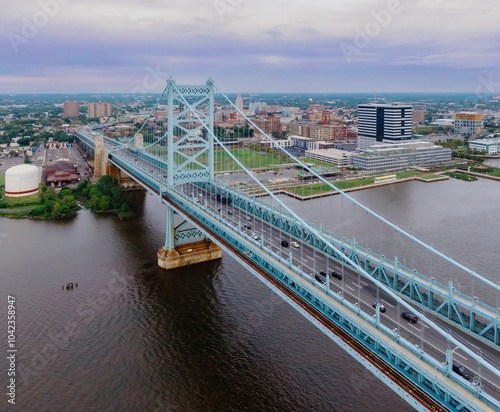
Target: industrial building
[22,180]
[61,171]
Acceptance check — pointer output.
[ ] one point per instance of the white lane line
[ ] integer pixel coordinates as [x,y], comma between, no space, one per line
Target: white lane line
[347,286]
[463,357]
[414,327]
[423,324]
[387,303]
[355,284]
[364,283]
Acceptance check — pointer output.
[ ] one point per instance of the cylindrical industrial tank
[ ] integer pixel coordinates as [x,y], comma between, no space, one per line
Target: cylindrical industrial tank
[21,180]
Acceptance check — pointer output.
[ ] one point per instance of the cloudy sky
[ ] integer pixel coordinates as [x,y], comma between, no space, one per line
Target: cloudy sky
[71,46]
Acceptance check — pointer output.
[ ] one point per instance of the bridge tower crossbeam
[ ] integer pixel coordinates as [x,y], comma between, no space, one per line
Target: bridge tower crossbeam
[190,159]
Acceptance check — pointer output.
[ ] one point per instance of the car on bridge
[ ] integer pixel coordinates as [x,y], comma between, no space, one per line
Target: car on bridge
[380,306]
[410,317]
[284,243]
[336,274]
[320,277]
[248,227]
[295,244]
[459,369]
[229,212]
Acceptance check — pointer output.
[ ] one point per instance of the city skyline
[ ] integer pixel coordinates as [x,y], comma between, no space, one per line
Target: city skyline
[59,46]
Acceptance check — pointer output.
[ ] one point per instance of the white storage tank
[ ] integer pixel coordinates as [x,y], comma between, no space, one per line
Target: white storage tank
[21,180]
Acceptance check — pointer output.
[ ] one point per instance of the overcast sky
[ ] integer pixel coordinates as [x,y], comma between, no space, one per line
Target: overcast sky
[66,46]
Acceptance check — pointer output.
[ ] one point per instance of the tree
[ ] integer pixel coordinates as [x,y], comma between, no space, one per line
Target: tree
[26,159]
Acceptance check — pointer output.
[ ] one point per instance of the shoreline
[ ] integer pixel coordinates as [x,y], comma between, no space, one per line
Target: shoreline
[357,188]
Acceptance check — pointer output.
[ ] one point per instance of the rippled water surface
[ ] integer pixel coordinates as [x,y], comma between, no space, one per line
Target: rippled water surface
[132,337]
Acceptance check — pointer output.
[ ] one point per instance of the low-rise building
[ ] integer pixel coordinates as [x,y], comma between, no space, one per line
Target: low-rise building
[339,158]
[401,155]
[489,146]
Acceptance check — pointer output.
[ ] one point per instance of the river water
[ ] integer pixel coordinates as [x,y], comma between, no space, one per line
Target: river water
[132,337]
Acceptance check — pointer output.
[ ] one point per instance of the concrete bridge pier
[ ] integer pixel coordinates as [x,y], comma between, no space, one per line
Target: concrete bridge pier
[103,167]
[195,247]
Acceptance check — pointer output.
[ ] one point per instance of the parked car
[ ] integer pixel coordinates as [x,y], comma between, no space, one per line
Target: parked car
[380,306]
[320,278]
[460,370]
[410,317]
[336,274]
[294,244]
[284,243]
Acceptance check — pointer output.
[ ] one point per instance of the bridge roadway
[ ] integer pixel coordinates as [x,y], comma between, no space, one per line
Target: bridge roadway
[352,286]
[311,260]
[458,386]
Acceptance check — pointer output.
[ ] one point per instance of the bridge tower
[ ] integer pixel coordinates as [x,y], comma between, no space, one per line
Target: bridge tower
[190,159]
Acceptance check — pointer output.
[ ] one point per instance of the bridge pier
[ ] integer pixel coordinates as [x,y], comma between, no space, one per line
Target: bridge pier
[188,254]
[196,248]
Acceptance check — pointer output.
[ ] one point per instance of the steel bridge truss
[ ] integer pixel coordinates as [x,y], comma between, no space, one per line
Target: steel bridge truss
[190,147]
[467,313]
[344,315]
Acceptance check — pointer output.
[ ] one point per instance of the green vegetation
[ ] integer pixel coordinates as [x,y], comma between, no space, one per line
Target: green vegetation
[314,189]
[104,197]
[409,173]
[46,205]
[249,158]
[460,149]
[461,176]
[230,133]
[495,172]
[429,177]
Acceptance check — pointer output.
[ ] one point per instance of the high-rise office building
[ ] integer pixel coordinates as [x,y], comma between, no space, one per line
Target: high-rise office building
[71,108]
[97,110]
[383,123]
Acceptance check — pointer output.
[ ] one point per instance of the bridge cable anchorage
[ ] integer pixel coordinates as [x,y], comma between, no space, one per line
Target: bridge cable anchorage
[343,193]
[437,328]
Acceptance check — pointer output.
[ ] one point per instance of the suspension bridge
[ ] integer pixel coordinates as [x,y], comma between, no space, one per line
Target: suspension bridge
[447,358]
